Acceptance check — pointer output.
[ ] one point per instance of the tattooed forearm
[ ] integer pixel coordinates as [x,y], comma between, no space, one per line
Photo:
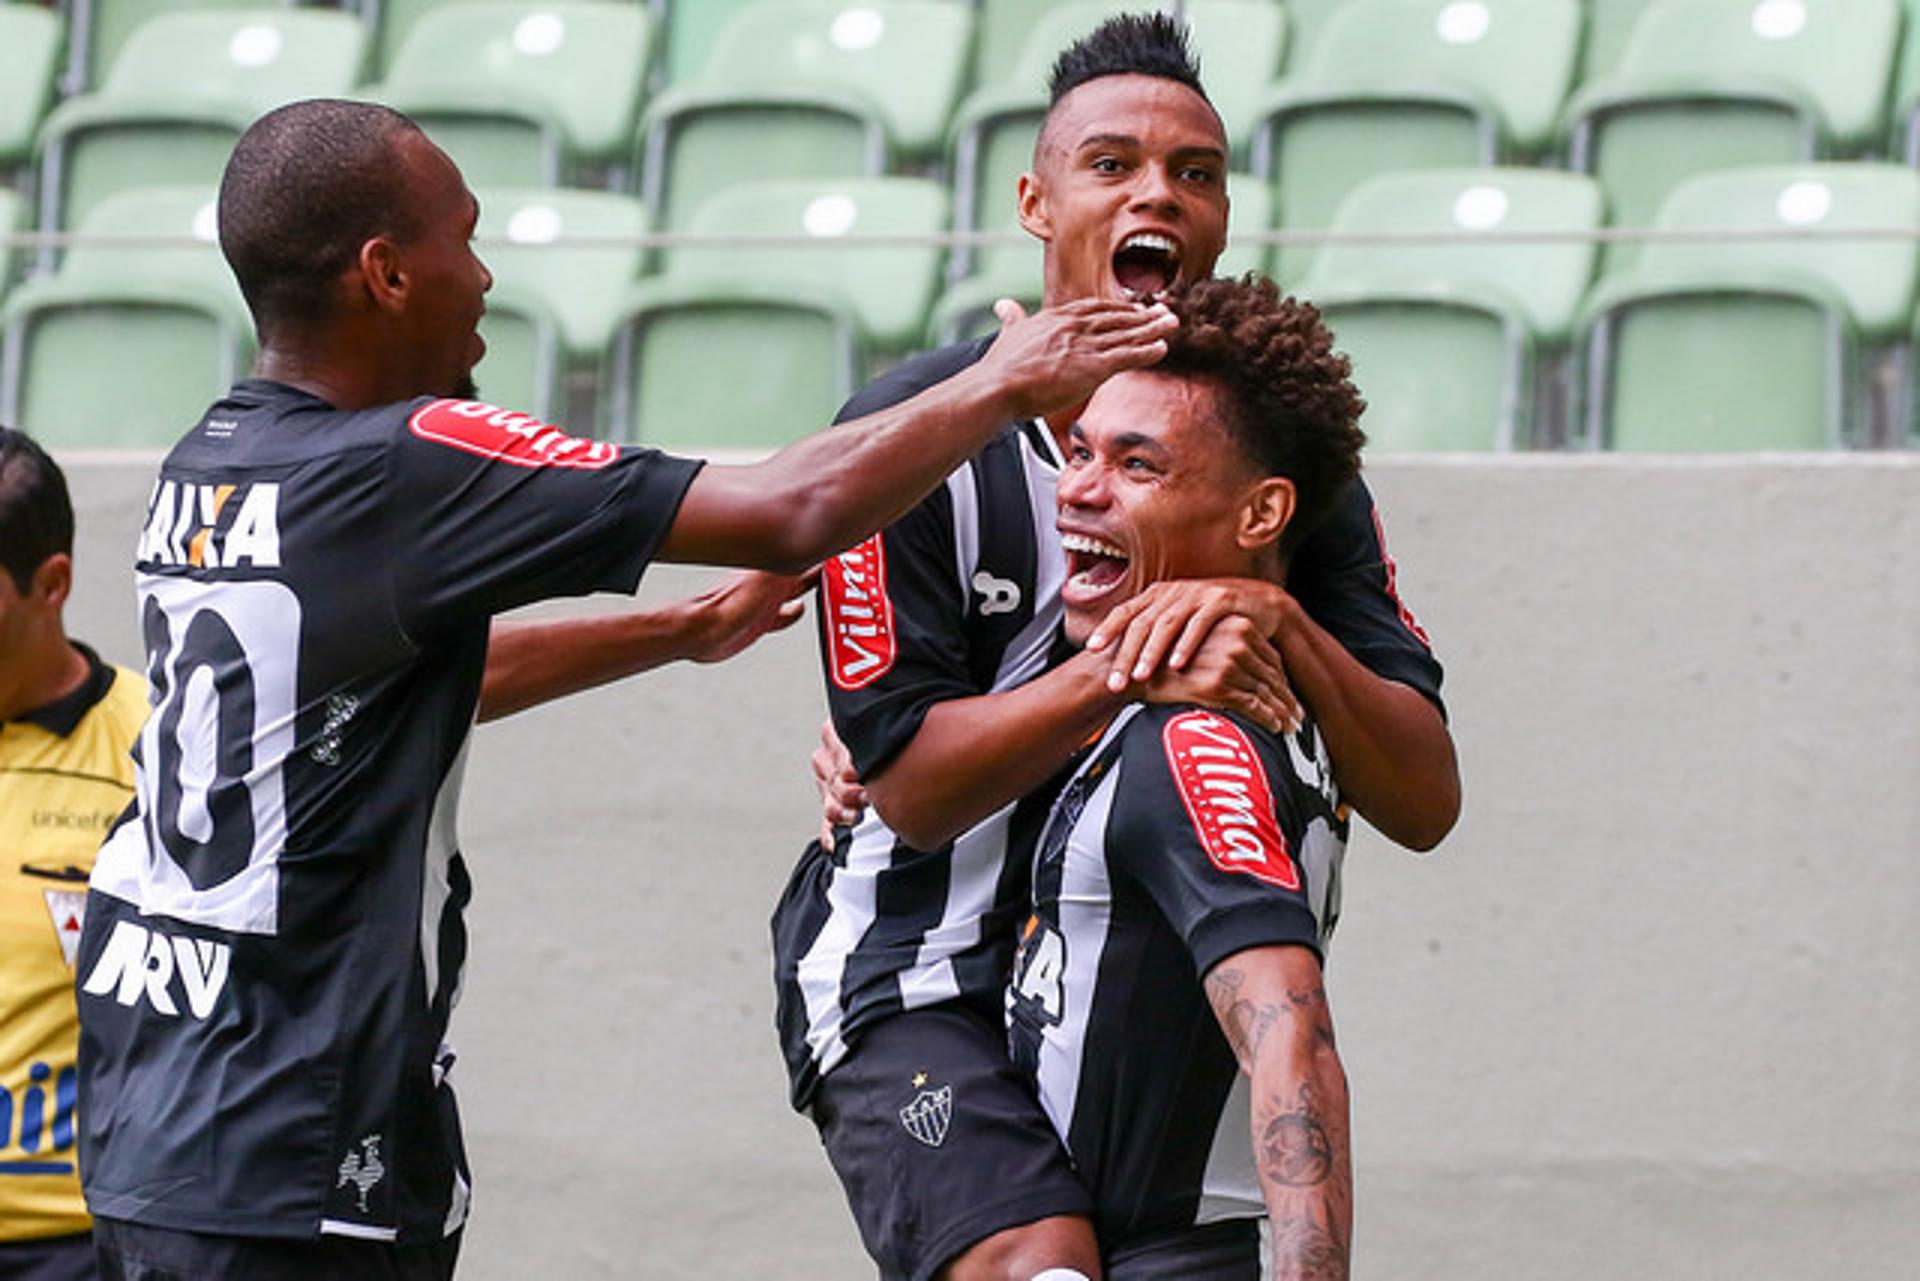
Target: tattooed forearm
[1273,1009]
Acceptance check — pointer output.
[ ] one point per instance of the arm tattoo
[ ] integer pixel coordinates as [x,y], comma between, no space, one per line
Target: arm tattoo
[1294,1149]
[1309,1249]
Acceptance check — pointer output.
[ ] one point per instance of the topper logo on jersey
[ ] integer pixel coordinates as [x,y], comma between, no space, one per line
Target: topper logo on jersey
[501,434]
[1225,788]
[140,962]
[185,526]
[859,618]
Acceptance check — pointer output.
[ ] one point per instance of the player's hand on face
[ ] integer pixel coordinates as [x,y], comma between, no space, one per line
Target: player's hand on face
[842,800]
[1056,357]
[746,607]
[1235,669]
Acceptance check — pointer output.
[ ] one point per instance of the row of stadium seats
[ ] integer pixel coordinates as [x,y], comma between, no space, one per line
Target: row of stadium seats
[1776,310]
[554,93]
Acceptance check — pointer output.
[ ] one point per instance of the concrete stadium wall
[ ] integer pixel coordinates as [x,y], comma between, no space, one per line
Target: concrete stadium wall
[1652,1011]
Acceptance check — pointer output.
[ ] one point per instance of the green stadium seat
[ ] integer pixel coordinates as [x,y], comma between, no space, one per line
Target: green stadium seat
[182,90]
[1609,26]
[738,344]
[1407,84]
[553,305]
[125,346]
[1740,342]
[692,27]
[1715,84]
[1013,271]
[98,30]
[1241,44]
[1447,337]
[806,89]
[29,56]
[1307,18]
[525,94]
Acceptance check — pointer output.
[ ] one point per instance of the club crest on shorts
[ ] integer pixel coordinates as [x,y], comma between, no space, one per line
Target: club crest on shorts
[929,1115]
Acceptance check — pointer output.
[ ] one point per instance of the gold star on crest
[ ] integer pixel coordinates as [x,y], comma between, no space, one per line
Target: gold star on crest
[919,1079]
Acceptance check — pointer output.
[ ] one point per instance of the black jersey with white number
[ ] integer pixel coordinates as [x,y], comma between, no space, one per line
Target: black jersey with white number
[274,938]
[961,597]
[1184,837]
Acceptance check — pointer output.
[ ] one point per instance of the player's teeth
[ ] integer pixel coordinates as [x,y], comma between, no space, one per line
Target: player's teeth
[1091,546]
[1148,241]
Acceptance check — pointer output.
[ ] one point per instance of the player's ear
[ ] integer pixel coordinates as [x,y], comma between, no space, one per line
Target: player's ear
[383,274]
[53,581]
[1030,199]
[1266,513]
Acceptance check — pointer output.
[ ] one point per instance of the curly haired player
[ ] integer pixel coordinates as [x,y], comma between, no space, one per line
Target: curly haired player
[1167,999]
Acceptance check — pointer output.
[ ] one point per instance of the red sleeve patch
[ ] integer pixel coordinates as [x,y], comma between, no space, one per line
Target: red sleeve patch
[502,434]
[1224,785]
[860,639]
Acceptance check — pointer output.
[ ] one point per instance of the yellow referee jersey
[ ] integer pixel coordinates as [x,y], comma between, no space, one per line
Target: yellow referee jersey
[64,778]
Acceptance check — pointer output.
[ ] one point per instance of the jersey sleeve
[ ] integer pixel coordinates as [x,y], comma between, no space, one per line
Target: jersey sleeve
[893,633]
[893,627]
[1205,823]
[1344,578]
[488,510]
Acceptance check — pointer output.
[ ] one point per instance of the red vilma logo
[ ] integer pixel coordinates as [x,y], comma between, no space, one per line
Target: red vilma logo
[859,619]
[1225,788]
[492,432]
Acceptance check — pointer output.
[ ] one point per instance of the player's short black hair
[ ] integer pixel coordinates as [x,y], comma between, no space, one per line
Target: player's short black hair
[1285,395]
[306,186]
[1129,44]
[36,516]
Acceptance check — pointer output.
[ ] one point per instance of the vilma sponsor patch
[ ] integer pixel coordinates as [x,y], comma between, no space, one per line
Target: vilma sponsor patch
[859,619]
[491,432]
[1224,785]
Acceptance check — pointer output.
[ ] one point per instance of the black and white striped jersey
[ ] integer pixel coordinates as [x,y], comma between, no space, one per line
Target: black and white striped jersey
[959,598]
[274,940]
[1185,836]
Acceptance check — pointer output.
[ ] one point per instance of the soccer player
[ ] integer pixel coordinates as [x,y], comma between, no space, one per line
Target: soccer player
[892,944]
[67,720]
[274,937]
[1167,998]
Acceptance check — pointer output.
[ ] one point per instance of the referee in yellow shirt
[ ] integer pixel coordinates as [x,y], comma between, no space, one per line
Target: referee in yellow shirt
[67,720]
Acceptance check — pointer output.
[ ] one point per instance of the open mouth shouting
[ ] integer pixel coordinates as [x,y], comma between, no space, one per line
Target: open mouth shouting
[1095,570]
[1147,264]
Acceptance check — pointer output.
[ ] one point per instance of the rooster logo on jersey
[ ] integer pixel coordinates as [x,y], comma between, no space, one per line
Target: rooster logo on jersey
[363,1169]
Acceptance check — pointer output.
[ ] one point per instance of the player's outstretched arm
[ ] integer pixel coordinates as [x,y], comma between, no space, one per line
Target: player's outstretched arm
[824,493]
[1273,1007]
[533,661]
[1392,753]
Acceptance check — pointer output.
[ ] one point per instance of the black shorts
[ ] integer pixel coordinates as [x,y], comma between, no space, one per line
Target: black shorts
[1225,1251]
[136,1252]
[67,1258]
[939,1141]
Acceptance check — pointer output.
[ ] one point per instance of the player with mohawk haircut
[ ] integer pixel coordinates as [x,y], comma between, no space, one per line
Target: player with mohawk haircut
[894,938]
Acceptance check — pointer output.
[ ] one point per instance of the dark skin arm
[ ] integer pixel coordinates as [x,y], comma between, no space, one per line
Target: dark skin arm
[533,661]
[1273,1008]
[971,756]
[822,494]
[1393,756]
